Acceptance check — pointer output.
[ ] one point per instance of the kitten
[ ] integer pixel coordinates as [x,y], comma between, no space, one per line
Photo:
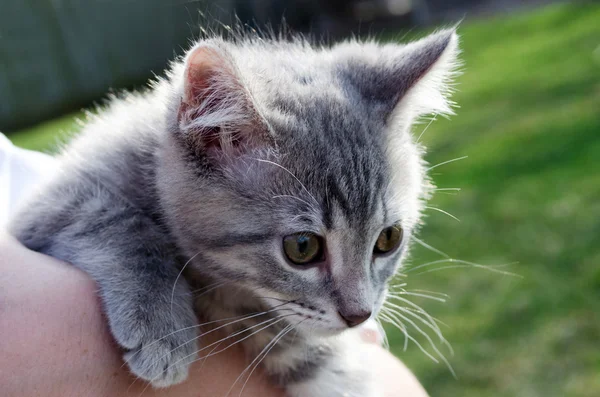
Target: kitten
[269,186]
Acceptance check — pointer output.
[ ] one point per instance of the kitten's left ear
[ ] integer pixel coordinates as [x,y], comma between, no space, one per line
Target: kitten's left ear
[413,77]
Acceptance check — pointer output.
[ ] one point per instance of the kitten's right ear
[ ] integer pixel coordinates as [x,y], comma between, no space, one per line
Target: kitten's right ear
[216,113]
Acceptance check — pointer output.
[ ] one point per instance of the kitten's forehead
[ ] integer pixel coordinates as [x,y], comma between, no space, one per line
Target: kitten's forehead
[339,155]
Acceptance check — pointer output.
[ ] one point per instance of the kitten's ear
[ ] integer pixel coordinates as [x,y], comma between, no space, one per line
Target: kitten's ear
[216,113]
[418,72]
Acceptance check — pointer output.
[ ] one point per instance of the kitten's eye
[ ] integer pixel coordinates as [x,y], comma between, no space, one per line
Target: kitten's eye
[388,240]
[303,248]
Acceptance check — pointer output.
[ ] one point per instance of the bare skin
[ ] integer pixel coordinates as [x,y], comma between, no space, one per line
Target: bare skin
[55,343]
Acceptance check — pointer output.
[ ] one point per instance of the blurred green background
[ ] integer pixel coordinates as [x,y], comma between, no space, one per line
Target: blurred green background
[529,122]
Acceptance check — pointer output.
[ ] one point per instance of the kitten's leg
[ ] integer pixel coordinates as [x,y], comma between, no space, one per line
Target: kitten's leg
[133,263]
[333,368]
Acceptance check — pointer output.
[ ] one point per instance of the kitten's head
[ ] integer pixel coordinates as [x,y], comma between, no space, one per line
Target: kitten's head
[291,170]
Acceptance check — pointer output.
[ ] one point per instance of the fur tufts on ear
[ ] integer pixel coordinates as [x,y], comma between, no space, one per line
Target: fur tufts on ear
[412,78]
[435,65]
[216,113]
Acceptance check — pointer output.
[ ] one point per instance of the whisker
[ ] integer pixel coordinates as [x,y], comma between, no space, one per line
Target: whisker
[429,247]
[228,324]
[184,329]
[443,189]
[446,162]
[437,320]
[208,288]
[196,352]
[179,275]
[266,354]
[289,172]
[255,359]
[416,342]
[430,292]
[383,333]
[294,219]
[461,263]
[204,358]
[401,327]
[427,127]
[271,322]
[449,193]
[236,319]
[433,346]
[397,286]
[418,308]
[433,326]
[465,266]
[435,298]
[442,211]
[280,318]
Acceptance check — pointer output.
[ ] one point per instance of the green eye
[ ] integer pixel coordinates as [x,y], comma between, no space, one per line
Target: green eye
[388,240]
[303,248]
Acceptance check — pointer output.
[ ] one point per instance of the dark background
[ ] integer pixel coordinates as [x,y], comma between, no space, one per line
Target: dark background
[58,55]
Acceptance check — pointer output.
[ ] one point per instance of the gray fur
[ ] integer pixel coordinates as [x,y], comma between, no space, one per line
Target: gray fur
[245,142]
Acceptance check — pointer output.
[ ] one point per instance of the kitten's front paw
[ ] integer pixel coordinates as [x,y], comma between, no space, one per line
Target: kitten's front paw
[164,362]
[161,343]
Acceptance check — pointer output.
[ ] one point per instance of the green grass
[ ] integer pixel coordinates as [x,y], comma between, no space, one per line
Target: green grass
[48,136]
[529,120]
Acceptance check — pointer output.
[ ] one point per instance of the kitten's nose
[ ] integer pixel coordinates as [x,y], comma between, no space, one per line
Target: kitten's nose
[354,319]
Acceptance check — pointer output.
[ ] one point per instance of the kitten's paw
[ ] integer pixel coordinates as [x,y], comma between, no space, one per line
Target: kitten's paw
[164,362]
[161,343]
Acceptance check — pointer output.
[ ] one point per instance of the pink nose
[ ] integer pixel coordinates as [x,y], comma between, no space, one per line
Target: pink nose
[355,319]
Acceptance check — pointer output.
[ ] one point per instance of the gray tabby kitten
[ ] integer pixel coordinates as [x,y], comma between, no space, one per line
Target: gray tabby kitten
[268,186]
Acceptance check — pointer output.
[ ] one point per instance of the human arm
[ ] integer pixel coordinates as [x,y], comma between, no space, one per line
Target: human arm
[54,342]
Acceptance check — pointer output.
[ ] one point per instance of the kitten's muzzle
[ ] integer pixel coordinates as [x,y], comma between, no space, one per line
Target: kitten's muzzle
[354,319]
